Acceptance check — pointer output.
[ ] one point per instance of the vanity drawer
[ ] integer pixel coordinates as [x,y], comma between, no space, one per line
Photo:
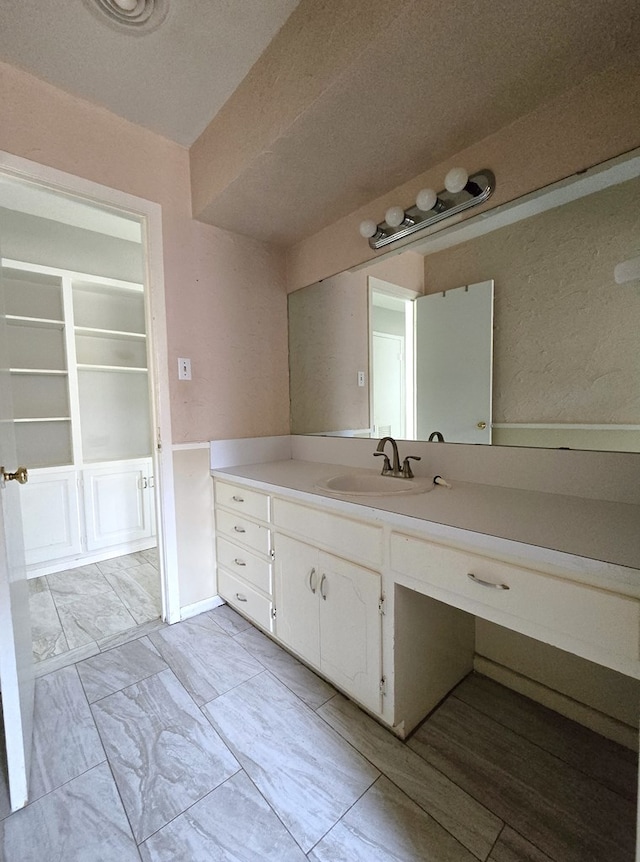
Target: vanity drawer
[244,564]
[244,531]
[344,537]
[251,503]
[544,603]
[245,599]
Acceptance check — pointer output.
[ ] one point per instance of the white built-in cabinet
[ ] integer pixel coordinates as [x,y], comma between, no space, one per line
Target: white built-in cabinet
[79,380]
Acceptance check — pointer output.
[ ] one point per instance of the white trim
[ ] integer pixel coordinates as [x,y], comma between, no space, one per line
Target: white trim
[179,447]
[151,215]
[561,426]
[200,607]
[592,718]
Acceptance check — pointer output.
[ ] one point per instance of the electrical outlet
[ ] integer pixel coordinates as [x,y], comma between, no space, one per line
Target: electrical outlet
[360,378]
[184,369]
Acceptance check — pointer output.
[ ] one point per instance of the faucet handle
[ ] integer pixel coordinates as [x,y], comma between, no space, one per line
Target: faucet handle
[407,472]
[386,466]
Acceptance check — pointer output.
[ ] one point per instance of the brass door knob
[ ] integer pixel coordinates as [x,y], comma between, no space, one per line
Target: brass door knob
[21,475]
[481,425]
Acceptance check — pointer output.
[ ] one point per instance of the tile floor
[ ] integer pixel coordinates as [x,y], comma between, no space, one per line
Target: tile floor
[205,741]
[75,611]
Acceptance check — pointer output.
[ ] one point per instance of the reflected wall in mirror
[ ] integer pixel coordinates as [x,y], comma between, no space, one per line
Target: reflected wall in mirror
[566,363]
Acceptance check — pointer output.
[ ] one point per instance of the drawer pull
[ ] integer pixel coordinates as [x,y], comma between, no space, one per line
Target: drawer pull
[239,562]
[239,530]
[311,586]
[237,499]
[322,592]
[240,597]
[482,583]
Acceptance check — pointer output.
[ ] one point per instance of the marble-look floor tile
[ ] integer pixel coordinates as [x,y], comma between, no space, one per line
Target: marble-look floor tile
[205,660]
[611,764]
[142,630]
[231,824]
[90,618]
[57,662]
[229,620]
[309,775]
[568,815]
[150,555]
[302,681]
[65,739]
[386,825]
[118,668]
[164,754]
[47,635]
[139,591]
[73,583]
[116,564]
[468,821]
[81,822]
[37,585]
[512,847]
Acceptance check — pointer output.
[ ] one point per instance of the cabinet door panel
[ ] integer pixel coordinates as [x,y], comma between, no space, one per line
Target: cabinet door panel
[116,505]
[296,594]
[351,628]
[51,516]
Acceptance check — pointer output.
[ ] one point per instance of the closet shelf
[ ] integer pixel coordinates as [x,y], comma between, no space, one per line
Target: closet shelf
[46,419]
[39,322]
[54,372]
[86,367]
[109,333]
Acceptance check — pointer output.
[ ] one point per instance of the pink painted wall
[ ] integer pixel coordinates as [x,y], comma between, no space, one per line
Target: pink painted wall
[225,295]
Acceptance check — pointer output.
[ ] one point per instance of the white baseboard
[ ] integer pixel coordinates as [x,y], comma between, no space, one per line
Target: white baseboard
[200,607]
[36,570]
[597,721]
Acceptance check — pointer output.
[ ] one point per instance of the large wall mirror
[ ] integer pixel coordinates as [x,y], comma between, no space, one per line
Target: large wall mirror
[558,330]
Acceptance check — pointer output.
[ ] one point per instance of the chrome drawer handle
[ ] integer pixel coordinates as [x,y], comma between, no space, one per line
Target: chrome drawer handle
[239,562]
[311,587]
[240,597]
[237,499]
[322,592]
[482,583]
[239,530]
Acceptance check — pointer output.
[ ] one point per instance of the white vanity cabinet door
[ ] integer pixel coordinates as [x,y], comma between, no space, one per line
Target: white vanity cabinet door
[296,589]
[350,628]
[51,516]
[118,503]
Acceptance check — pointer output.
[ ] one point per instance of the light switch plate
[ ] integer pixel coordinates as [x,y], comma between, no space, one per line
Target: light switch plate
[184,369]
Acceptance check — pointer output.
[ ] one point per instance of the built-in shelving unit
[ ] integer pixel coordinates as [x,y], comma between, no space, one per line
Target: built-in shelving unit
[78,364]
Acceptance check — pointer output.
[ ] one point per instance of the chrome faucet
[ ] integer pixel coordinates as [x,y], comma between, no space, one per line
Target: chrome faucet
[435,436]
[389,469]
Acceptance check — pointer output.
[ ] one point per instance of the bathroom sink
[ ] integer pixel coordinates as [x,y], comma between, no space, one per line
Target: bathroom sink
[373,485]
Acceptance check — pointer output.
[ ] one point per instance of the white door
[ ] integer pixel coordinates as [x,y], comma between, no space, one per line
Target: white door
[16,663]
[351,628]
[389,388]
[454,364]
[297,585]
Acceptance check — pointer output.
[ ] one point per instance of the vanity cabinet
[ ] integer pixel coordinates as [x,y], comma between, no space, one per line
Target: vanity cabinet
[244,552]
[328,611]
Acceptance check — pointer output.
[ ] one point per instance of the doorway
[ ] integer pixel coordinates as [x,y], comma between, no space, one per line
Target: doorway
[82,271]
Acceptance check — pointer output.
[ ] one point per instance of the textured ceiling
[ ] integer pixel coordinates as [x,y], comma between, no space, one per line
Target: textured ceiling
[376,94]
[172,80]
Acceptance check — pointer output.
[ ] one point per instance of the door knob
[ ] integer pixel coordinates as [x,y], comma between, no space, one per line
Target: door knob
[481,425]
[20,475]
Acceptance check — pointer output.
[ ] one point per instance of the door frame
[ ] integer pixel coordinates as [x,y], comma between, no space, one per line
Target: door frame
[150,214]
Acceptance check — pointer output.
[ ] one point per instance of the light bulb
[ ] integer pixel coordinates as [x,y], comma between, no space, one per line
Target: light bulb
[456,180]
[368,228]
[426,199]
[126,5]
[394,216]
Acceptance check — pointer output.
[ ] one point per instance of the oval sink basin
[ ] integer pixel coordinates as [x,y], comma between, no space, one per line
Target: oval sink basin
[373,485]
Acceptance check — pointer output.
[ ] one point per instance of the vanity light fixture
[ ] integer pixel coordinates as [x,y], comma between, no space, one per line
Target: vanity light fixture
[460,193]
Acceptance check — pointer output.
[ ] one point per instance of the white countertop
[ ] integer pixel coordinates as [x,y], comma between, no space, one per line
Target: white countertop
[597,540]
